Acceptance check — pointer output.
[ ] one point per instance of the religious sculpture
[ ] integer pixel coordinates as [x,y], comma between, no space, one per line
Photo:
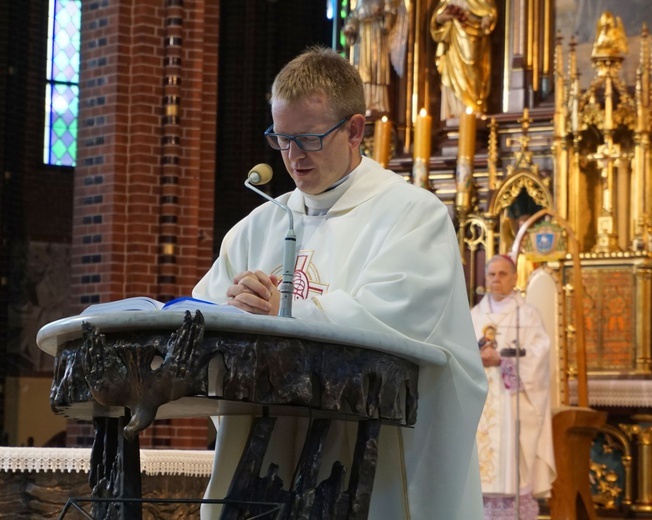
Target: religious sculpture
[376,31]
[611,40]
[461,29]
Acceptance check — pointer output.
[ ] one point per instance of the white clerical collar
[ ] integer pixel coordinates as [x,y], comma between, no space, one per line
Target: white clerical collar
[320,204]
[497,306]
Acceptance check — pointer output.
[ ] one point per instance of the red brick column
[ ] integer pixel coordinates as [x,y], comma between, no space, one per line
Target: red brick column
[144,184]
[145,176]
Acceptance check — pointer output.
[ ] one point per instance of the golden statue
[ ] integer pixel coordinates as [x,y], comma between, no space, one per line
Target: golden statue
[376,31]
[611,40]
[461,29]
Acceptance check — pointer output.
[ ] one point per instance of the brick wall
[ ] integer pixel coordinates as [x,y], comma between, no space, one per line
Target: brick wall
[144,182]
[143,204]
[158,183]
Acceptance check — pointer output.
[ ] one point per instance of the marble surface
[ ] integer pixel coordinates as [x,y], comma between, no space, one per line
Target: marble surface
[54,334]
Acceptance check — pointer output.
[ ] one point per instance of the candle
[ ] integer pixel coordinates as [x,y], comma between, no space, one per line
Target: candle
[422,132]
[465,155]
[466,144]
[382,140]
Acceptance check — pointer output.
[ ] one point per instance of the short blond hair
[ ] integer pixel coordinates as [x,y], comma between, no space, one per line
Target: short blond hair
[321,70]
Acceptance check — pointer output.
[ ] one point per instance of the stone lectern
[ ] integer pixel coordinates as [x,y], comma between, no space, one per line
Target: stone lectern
[122,370]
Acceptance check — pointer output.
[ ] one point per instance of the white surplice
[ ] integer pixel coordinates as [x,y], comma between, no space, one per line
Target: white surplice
[496,431]
[384,257]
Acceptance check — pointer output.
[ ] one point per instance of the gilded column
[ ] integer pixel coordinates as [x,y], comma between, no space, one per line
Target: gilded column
[490,248]
[560,146]
[643,435]
[546,43]
[646,209]
[492,156]
[410,117]
[641,169]
[643,276]
[517,37]
[415,100]
[610,490]
[534,24]
[573,203]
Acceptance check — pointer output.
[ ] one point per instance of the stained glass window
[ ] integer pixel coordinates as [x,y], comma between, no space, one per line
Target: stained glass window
[62,83]
[336,12]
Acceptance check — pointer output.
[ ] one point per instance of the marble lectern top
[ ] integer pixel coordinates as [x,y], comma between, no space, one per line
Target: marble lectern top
[54,334]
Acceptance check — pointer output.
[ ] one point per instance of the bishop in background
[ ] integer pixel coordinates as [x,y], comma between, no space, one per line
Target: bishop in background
[515,353]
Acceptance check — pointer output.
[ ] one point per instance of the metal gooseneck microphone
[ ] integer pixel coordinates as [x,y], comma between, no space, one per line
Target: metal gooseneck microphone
[517,352]
[517,430]
[262,174]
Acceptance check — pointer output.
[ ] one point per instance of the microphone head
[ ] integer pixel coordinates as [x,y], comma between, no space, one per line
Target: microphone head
[260,174]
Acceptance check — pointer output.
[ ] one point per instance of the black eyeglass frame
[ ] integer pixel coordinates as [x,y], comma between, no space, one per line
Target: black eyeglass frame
[269,137]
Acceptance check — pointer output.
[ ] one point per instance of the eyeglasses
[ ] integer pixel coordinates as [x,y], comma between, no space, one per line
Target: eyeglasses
[307,142]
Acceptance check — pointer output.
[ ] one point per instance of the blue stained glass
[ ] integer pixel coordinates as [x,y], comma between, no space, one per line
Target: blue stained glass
[62,119]
[62,90]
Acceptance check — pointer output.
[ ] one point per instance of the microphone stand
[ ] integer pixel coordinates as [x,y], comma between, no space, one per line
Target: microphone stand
[517,432]
[517,423]
[289,253]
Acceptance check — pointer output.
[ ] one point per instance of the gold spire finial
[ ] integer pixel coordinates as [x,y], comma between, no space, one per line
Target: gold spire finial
[611,40]
[525,120]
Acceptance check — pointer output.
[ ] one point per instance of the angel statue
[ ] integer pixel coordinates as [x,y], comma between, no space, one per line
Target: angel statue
[461,29]
[611,40]
[376,32]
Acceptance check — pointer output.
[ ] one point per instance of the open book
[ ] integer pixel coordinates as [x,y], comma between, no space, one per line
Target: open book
[144,303]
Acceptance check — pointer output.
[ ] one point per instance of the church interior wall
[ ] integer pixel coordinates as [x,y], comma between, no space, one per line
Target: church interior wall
[255,39]
[38,200]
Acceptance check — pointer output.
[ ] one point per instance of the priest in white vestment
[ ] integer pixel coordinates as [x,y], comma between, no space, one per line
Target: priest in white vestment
[373,252]
[507,327]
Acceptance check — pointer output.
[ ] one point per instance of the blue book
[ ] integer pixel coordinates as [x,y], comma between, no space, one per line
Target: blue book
[189,303]
[145,303]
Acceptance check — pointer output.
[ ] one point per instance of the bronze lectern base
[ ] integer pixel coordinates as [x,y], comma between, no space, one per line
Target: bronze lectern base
[107,367]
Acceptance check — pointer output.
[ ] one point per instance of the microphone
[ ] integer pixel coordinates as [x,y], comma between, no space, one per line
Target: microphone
[262,174]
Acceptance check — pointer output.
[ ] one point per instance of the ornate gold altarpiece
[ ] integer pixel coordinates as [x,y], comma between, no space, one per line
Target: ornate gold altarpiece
[602,139]
[586,155]
[602,185]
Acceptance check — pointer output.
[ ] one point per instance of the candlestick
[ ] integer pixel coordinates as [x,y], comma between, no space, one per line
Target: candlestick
[382,140]
[420,174]
[422,133]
